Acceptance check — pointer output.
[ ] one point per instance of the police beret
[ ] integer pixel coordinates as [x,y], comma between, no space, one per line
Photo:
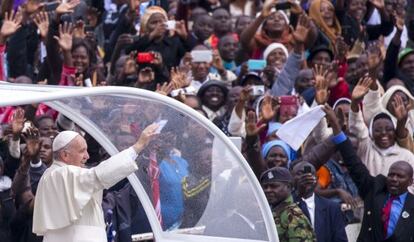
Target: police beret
[276,174]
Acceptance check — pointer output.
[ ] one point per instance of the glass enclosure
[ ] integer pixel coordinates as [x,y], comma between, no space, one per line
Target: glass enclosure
[193,183]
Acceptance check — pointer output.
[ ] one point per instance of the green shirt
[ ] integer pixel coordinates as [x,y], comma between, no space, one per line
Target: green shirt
[292,225]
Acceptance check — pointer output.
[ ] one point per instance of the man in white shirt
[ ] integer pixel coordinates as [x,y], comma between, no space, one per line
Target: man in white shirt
[200,69]
[68,201]
[325,215]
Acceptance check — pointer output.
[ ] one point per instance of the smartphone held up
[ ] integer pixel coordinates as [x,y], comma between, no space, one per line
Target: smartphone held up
[145,57]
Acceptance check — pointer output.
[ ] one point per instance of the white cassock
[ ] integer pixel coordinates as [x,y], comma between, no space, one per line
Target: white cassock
[68,200]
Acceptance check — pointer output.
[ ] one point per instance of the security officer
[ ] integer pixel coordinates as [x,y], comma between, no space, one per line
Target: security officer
[292,224]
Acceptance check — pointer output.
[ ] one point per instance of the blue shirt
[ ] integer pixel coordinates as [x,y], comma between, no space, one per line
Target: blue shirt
[396,209]
[171,195]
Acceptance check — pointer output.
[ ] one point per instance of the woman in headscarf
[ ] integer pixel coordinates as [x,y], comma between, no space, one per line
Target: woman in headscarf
[377,146]
[373,103]
[322,12]
[276,153]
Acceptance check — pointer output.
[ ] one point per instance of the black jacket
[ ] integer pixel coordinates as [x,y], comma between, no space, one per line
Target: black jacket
[373,191]
[172,49]
[329,222]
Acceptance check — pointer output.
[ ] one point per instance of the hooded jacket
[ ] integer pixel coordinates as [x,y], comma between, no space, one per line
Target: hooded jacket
[373,103]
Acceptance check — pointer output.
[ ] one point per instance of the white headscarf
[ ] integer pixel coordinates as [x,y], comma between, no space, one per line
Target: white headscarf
[371,124]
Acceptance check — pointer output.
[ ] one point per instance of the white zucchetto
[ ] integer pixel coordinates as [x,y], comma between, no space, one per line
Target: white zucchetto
[63,139]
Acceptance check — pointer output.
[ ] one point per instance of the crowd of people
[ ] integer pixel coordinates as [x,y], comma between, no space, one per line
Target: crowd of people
[249,66]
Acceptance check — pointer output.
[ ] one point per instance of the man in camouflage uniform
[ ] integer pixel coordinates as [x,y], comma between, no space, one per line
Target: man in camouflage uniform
[292,225]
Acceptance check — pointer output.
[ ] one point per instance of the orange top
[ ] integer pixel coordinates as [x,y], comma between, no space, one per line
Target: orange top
[324,177]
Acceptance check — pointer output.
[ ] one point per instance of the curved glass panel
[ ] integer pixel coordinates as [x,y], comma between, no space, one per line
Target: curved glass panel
[192,178]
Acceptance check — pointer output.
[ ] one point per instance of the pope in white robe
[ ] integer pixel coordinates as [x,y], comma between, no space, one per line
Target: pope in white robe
[68,200]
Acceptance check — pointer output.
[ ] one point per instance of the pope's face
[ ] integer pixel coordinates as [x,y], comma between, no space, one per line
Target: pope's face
[77,152]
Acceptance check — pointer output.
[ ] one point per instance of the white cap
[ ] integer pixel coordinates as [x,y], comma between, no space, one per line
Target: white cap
[273,47]
[63,139]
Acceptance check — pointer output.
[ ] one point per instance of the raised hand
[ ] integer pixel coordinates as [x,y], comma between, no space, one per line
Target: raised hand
[42,22]
[268,111]
[67,7]
[398,21]
[11,23]
[146,136]
[378,4]
[321,85]
[130,65]
[180,29]
[361,89]
[332,119]
[17,122]
[31,7]
[302,29]
[179,78]
[123,40]
[400,111]
[158,32]
[267,7]
[31,137]
[157,58]
[332,75]
[295,8]
[218,62]
[270,74]
[79,30]
[341,48]
[187,59]
[374,60]
[133,11]
[79,80]
[244,69]
[251,125]
[164,89]
[65,38]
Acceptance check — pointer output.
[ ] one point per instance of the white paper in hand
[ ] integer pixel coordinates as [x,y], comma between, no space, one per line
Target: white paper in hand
[295,131]
[161,125]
